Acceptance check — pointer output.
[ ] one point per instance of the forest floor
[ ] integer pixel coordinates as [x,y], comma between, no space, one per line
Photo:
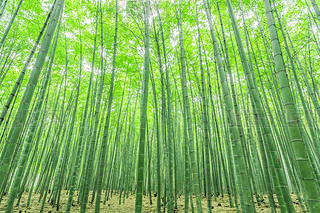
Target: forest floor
[221,204]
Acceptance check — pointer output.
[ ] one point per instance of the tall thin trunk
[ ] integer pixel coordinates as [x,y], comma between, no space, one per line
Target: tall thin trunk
[143,111]
[309,185]
[20,119]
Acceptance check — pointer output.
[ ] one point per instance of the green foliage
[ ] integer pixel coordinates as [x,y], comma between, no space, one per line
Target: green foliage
[211,112]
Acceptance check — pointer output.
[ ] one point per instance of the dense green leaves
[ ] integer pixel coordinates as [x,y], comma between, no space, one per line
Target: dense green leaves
[234,108]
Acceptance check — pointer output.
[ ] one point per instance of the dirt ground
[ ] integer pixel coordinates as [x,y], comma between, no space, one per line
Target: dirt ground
[220,205]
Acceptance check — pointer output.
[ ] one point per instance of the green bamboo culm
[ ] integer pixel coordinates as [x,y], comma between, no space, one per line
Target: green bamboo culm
[77,161]
[206,125]
[92,144]
[20,118]
[106,128]
[244,189]
[4,37]
[28,140]
[256,100]
[23,71]
[143,112]
[315,8]
[310,189]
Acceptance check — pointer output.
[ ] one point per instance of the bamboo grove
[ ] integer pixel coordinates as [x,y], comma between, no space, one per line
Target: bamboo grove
[197,99]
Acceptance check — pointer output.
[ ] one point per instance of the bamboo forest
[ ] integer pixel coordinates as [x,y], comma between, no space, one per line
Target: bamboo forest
[160,106]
